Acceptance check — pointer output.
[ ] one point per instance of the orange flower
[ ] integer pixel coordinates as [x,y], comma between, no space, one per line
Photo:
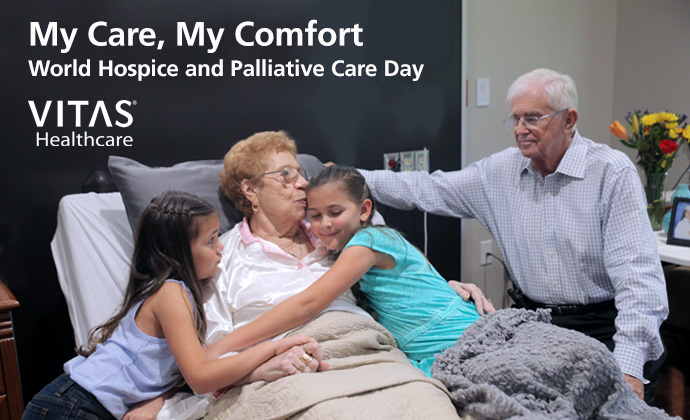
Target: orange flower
[618,130]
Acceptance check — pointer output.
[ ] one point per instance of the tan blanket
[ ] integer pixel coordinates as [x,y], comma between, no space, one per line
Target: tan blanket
[370,378]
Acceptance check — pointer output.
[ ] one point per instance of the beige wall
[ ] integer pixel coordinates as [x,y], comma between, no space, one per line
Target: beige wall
[506,38]
[653,65]
[623,55]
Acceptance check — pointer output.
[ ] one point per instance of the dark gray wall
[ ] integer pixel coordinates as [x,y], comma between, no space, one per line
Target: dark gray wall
[348,120]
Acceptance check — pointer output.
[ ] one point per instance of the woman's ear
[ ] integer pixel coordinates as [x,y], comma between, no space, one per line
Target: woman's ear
[365,210]
[250,191]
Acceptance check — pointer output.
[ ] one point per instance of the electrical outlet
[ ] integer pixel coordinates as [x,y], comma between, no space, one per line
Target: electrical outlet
[407,161]
[422,160]
[485,248]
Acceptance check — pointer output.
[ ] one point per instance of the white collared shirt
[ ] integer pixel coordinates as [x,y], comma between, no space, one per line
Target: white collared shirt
[256,275]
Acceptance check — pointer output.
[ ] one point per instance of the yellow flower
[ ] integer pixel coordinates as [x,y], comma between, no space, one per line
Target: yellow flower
[656,136]
[668,116]
[650,119]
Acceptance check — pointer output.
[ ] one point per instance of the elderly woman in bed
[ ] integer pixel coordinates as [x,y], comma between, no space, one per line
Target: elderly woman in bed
[272,254]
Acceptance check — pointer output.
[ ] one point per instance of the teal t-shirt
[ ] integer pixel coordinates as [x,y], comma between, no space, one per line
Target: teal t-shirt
[412,300]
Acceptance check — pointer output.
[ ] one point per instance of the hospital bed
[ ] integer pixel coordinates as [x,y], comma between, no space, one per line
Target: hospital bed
[369,377]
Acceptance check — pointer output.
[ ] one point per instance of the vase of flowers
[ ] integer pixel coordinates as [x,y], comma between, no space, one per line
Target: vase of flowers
[657,138]
[654,191]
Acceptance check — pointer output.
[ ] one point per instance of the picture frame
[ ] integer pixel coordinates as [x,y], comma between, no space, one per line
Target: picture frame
[680,221]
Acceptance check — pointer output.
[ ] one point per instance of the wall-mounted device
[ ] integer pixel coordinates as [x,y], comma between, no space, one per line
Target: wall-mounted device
[411,160]
[391,161]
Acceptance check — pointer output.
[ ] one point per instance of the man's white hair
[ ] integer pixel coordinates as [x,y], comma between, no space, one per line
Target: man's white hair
[560,88]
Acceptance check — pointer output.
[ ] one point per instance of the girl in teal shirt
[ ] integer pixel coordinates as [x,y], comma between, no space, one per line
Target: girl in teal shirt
[408,295]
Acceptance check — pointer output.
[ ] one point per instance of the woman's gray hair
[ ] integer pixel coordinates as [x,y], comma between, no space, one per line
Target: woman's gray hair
[561,92]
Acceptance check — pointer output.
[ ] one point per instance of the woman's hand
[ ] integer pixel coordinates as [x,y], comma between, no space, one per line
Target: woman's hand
[469,290]
[293,356]
[310,347]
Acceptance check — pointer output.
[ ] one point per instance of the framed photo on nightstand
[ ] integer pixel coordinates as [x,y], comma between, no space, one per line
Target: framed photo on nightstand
[679,228]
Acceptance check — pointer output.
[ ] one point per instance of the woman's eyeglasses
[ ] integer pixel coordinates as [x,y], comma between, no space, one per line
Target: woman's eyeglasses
[288,174]
[529,121]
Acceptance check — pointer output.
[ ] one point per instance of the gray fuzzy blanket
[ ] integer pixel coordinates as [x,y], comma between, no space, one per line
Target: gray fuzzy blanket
[514,364]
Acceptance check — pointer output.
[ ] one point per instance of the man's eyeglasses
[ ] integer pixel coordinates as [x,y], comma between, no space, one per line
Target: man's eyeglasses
[529,121]
[288,174]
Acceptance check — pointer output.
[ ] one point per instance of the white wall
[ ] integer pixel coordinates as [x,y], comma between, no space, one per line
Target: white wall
[506,38]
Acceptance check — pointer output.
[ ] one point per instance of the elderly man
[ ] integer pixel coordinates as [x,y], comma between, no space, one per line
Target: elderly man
[568,215]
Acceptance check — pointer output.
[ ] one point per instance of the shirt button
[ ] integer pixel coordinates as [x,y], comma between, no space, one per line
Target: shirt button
[548,224]
[550,254]
[548,195]
[300,266]
[555,283]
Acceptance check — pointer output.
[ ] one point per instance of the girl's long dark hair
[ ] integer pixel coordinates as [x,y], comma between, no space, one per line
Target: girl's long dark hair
[162,250]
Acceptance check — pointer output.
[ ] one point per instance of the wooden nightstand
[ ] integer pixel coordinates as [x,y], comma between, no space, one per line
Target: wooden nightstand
[11,405]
